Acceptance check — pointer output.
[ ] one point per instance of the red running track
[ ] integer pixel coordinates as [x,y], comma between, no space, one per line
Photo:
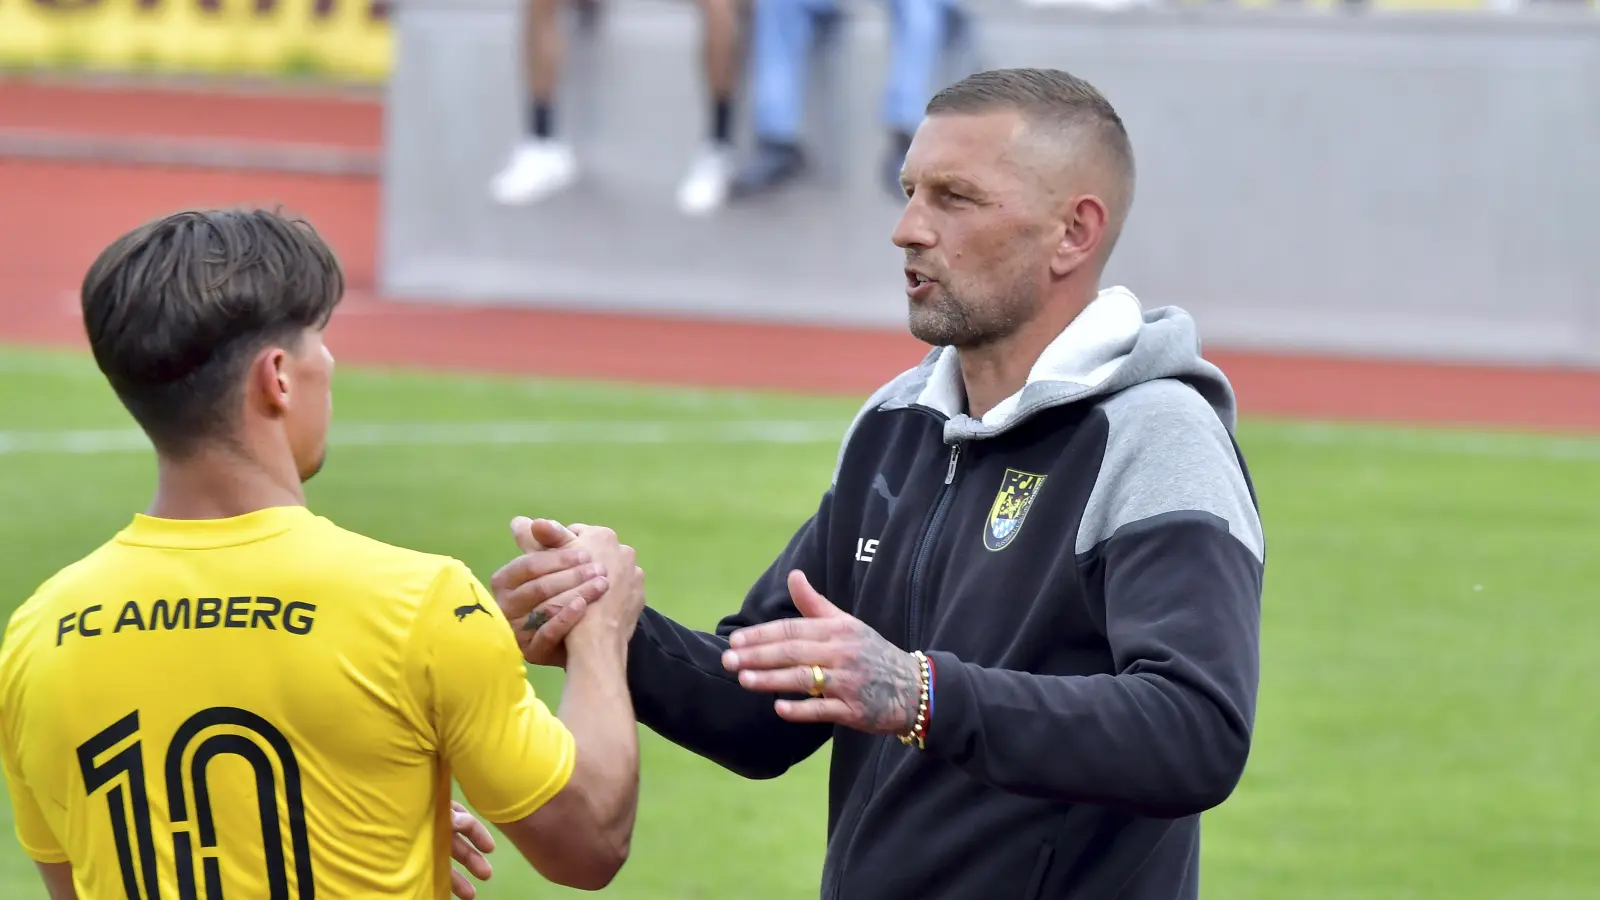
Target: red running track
[57,215]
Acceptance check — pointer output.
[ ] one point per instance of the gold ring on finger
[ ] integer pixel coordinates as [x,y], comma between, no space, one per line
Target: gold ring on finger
[819,680]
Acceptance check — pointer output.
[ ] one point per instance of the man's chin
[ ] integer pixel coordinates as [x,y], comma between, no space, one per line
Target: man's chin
[931,328]
[309,472]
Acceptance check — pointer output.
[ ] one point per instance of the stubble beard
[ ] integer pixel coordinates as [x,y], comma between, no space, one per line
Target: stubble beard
[948,320]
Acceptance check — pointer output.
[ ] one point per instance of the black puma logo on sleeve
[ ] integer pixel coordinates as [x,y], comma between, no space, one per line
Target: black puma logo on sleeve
[463,611]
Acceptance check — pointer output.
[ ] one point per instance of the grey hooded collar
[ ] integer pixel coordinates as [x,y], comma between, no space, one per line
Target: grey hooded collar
[1112,345]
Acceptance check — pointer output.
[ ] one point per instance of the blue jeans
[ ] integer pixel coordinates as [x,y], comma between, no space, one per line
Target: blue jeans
[782,33]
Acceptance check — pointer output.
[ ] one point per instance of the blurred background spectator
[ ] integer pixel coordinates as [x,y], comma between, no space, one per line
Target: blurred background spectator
[785,32]
[543,162]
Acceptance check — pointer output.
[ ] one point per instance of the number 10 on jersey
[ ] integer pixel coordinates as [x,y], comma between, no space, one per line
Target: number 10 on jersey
[121,774]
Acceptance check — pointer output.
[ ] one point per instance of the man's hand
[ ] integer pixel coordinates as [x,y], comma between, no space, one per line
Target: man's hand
[584,563]
[544,591]
[468,846]
[616,614]
[869,684]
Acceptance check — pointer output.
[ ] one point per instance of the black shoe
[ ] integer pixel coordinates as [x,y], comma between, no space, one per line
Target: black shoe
[774,164]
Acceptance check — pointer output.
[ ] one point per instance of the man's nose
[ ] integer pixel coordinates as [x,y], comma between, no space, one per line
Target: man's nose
[913,229]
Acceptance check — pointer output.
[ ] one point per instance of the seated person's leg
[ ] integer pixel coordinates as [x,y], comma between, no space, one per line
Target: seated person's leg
[918,38]
[781,39]
[542,163]
[706,185]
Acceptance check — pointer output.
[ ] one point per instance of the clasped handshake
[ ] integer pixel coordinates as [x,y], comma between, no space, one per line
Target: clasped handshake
[579,590]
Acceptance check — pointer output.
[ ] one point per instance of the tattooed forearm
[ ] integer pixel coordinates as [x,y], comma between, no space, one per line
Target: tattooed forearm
[890,686]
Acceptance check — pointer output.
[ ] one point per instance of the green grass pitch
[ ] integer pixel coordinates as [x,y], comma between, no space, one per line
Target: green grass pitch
[1427,725]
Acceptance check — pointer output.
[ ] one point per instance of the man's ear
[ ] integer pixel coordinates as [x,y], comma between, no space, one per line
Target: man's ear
[1085,229]
[270,380]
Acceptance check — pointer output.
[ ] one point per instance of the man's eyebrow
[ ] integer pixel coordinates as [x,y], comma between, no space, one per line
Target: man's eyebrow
[945,181]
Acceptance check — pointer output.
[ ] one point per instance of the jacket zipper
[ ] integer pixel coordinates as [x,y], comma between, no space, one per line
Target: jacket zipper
[930,537]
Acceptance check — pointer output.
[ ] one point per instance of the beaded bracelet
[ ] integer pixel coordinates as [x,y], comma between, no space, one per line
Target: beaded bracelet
[933,679]
[919,729]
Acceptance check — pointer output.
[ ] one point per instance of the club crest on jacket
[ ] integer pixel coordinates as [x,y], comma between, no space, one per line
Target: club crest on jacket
[1011,505]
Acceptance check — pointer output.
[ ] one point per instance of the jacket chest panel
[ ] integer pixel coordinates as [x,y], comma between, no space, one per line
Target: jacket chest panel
[983,567]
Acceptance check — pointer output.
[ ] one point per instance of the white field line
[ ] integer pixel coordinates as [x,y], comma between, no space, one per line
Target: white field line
[766,431]
[1486,444]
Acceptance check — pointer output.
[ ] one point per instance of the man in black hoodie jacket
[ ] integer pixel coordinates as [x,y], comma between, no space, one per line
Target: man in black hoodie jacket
[1027,610]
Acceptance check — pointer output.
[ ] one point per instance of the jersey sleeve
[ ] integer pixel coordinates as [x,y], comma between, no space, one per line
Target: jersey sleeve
[33,830]
[504,746]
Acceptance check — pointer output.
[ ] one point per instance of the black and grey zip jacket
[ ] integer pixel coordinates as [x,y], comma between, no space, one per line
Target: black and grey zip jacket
[1083,564]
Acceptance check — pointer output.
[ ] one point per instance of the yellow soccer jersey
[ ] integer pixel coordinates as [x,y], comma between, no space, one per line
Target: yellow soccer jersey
[253,707]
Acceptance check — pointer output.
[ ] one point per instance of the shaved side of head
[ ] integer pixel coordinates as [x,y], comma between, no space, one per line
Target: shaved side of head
[1075,142]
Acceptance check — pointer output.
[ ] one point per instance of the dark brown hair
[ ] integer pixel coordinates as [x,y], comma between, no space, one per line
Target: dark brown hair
[176,308]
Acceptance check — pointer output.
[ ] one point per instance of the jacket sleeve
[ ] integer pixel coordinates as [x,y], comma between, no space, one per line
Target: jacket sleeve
[682,692]
[1170,549]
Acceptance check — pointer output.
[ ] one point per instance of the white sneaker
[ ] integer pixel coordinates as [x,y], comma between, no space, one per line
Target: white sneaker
[705,188]
[538,168]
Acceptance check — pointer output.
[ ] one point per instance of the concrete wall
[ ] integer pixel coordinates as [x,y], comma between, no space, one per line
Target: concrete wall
[1415,185]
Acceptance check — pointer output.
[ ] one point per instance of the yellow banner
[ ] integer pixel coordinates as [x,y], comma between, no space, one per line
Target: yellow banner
[347,40]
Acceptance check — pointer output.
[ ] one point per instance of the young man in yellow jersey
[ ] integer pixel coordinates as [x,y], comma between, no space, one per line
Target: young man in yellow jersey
[233,697]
